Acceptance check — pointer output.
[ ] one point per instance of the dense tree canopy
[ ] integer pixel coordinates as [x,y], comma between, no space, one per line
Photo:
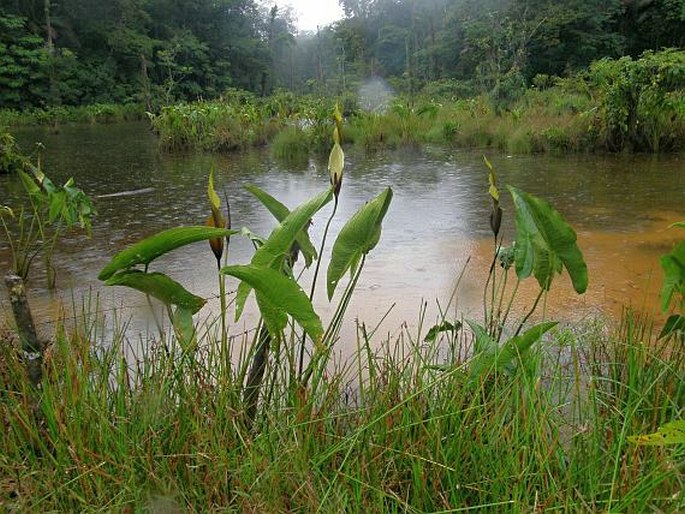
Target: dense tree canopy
[492,44]
[156,52]
[85,51]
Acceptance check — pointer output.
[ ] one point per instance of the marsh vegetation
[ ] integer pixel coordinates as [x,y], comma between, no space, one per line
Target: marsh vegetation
[274,196]
[496,413]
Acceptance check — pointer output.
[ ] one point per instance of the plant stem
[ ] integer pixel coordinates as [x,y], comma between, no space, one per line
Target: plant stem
[530,312]
[255,377]
[303,339]
[334,326]
[225,357]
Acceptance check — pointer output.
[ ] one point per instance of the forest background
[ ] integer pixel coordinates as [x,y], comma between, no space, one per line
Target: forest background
[159,52]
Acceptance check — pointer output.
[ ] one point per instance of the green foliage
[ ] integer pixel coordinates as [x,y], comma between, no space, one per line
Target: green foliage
[444,327]
[158,286]
[175,428]
[220,125]
[357,238]
[35,227]
[280,212]
[641,100]
[545,243]
[149,249]
[291,146]
[675,324]
[668,434]
[23,64]
[11,159]
[156,52]
[673,288]
[273,252]
[151,52]
[277,296]
[489,357]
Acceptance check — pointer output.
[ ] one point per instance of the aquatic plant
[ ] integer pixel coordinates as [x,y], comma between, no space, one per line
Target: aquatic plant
[672,299]
[11,158]
[641,100]
[291,147]
[122,271]
[545,245]
[34,228]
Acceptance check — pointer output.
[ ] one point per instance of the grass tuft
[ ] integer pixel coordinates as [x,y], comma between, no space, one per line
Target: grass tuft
[392,432]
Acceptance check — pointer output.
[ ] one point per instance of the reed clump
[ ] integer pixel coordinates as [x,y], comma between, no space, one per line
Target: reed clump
[291,146]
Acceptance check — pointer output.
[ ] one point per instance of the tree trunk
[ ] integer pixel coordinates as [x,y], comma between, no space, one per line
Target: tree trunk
[32,348]
[49,36]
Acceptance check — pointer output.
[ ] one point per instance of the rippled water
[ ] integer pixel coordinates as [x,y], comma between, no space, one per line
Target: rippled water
[620,206]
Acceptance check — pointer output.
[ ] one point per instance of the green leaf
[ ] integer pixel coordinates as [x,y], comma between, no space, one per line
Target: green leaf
[58,201]
[519,345]
[680,224]
[271,253]
[147,250]
[673,265]
[278,294]
[159,286]
[435,330]
[674,324]
[30,185]
[489,357]
[545,242]
[358,237]
[280,212]
[182,320]
[482,342]
[670,433]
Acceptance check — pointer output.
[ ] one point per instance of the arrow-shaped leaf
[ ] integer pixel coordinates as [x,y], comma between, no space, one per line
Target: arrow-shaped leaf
[271,253]
[545,242]
[490,357]
[149,249]
[280,212]
[673,264]
[358,237]
[278,294]
[159,286]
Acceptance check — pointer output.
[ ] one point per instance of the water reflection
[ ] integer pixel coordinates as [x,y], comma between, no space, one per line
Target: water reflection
[619,205]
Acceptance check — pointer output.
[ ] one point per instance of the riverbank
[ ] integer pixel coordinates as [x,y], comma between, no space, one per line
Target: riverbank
[388,432]
[436,417]
[59,115]
[624,105]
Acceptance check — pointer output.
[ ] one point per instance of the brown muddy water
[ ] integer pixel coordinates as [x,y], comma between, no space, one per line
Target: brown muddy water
[620,207]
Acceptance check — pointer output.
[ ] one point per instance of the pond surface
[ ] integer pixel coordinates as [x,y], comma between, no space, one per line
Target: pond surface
[620,206]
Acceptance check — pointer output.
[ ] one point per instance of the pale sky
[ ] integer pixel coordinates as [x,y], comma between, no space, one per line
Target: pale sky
[311,13]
